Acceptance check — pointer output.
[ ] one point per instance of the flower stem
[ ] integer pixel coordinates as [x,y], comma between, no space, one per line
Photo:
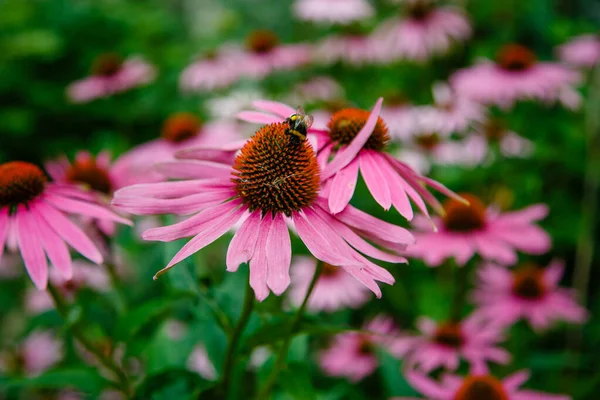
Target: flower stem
[75,329]
[283,350]
[461,275]
[235,337]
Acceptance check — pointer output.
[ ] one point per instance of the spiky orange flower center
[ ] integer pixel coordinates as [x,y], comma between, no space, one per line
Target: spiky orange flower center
[262,41]
[428,141]
[528,282]
[461,217]
[484,387]
[514,57]
[275,174]
[181,127]
[20,182]
[345,124]
[449,334]
[107,64]
[89,173]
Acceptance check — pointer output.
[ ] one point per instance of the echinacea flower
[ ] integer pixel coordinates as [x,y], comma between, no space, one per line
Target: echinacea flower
[425,31]
[37,353]
[478,385]
[528,292]
[264,54]
[581,51]
[199,362]
[333,11]
[215,70]
[516,75]
[349,47]
[110,75]
[352,355]
[85,275]
[358,139]
[444,344]
[335,289]
[468,229]
[32,218]
[274,180]
[179,131]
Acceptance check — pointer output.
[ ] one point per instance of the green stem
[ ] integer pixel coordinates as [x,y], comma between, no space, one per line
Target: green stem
[77,332]
[461,276]
[235,337]
[283,350]
[116,284]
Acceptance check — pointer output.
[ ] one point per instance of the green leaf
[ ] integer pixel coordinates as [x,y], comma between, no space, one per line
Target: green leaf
[390,369]
[179,384]
[295,380]
[131,323]
[85,379]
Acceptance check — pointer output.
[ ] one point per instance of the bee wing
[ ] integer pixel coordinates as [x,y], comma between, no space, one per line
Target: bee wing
[309,119]
[300,111]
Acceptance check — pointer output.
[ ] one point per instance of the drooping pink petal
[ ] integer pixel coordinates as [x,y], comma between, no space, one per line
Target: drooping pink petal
[78,207]
[179,206]
[345,156]
[425,385]
[207,154]
[257,117]
[259,267]
[342,187]
[193,169]
[397,188]
[275,107]
[241,248]
[55,247]
[373,178]
[170,190]
[31,247]
[68,231]
[279,255]
[524,216]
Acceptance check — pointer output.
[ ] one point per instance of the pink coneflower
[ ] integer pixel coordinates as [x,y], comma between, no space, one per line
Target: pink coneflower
[216,70]
[179,131]
[353,48]
[479,384]
[426,31]
[335,289]
[352,355]
[273,181]
[494,132]
[444,344]
[32,216]
[110,75]
[516,75]
[581,51]
[199,362]
[317,89]
[37,353]
[469,229]
[264,54]
[333,11]
[358,139]
[451,113]
[529,292]
[85,275]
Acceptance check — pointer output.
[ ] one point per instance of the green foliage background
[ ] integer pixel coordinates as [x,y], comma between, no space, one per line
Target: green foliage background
[45,45]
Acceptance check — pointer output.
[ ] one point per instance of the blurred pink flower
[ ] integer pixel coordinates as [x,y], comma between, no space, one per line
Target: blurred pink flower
[529,292]
[466,230]
[264,55]
[444,344]
[317,89]
[426,31]
[180,130]
[85,275]
[581,51]
[110,75]
[37,353]
[493,131]
[32,216]
[358,139]
[274,180]
[335,289]
[479,384]
[351,48]
[333,11]
[216,70]
[401,117]
[200,363]
[352,355]
[517,76]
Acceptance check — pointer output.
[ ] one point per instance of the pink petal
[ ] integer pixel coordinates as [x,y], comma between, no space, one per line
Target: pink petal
[397,188]
[514,381]
[259,268]
[170,190]
[179,206]
[275,107]
[425,385]
[279,255]
[342,187]
[241,248]
[524,216]
[77,207]
[258,117]
[373,178]
[31,247]
[553,273]
[55,247]
[3,229]
[345,156]
[193,169]
[494,249]
[207,154]
[68,231]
